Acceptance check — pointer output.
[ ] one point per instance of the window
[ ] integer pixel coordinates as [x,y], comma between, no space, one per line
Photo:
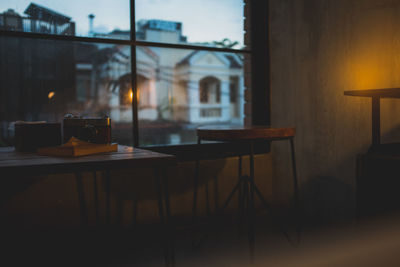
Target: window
[210,90]
[159,69]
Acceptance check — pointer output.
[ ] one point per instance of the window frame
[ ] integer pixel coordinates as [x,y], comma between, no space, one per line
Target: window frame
[258,104]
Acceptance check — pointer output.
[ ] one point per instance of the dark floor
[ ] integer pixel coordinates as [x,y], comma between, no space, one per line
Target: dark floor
[372,243]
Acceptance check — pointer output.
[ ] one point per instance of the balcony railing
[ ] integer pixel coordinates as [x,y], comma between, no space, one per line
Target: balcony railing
[210,112]
[27,24]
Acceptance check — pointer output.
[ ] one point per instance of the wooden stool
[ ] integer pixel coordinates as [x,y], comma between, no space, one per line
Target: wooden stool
[246,186]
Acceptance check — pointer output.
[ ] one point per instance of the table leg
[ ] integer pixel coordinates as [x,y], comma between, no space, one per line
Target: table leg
[96,198]
[240,188]
[216,194]
[207,195]
[119,212]
[82,201]
[296,189]
[135,207]
[170,227]
[252,205]
[108,197]
[161,215]
[376,120]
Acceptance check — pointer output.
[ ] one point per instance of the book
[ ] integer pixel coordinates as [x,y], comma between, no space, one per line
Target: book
[75,148]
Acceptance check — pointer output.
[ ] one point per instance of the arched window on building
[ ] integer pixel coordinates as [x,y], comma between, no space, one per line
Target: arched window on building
[234,98]
[210,90]
[126,93]
[125,90]
[144,93]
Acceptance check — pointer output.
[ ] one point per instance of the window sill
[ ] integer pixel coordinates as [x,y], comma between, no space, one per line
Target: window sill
[214,150]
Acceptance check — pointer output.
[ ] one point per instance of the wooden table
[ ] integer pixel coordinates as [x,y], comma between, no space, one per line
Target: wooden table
[13,164]
[376,95]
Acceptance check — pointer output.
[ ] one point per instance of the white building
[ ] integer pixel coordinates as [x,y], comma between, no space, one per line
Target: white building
[186,86]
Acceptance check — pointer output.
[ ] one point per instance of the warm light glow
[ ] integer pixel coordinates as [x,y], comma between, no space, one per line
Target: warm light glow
[131,95]
[369,73]
[51,95]
[370,65]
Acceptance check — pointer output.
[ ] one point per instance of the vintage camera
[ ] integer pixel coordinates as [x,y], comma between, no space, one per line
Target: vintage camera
[93,130]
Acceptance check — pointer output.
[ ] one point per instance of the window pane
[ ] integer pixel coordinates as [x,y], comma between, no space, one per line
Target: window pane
[180,90]
[44,79]
[202,22]
[93,18]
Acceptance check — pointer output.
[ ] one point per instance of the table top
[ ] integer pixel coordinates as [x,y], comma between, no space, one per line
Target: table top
[231,133]
[382,93]
[13,162]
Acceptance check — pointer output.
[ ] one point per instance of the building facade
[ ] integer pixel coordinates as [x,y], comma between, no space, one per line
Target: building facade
[184,86]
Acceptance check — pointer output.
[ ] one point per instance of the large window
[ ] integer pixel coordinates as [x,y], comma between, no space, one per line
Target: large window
[159,69]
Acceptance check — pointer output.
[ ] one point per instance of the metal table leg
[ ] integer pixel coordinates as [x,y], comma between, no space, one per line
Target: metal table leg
[167,244]
[252,205]
[170,227]
[108,197]
[82,201]
[96,198]
[208,210]
[296,190]
[216,194]
[135,207]
[241,206]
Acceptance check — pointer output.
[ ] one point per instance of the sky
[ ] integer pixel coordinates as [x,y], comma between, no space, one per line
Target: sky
[203,20]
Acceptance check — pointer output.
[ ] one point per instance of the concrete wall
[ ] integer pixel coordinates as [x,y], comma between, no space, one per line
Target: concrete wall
[319,49]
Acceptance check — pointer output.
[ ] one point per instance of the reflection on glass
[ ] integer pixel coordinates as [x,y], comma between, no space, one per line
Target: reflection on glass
[180,90]
[200,22]
[93,18]
[43,80]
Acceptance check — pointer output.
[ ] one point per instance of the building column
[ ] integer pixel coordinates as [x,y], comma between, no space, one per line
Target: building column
[241,98]
[193,101]
[225,101]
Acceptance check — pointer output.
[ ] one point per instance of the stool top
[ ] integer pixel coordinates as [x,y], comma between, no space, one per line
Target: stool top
[232,133]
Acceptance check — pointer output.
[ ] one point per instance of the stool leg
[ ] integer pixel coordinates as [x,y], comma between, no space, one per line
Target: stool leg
[216,195]
[244,201]
[260,196]
[240,203]
[252,205]
[296,189]
[236,188]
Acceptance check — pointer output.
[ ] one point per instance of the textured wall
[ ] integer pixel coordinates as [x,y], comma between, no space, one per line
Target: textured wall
[319,49]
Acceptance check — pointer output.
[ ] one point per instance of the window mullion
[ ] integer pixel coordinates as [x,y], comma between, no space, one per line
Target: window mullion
[135,121]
